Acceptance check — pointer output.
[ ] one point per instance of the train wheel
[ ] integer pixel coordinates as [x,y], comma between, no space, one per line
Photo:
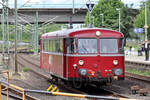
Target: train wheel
[99,84]
[77,83]
[54,79]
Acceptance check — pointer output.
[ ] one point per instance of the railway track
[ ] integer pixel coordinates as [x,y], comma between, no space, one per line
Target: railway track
[34,65]
[137,65]
[23,59]
[138,77]
[140,66]
[35,68]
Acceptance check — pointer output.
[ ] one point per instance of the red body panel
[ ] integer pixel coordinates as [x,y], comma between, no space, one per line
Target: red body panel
[94,64]
[53,63]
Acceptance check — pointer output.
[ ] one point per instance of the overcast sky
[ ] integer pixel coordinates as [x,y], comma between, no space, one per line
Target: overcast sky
[135,2]
[21,2]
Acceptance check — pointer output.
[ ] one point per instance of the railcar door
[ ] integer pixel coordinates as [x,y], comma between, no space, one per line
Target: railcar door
[70,49]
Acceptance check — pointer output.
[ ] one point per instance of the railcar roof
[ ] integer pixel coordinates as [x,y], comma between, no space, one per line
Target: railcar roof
[66,32]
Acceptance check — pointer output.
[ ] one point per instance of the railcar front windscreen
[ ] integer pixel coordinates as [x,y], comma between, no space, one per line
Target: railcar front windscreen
[108,45]
[87,45]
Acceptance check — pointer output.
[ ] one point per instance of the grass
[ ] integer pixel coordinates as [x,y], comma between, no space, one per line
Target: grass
[25,69]
[146,73]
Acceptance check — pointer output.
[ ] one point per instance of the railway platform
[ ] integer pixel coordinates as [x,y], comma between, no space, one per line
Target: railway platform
[133,56]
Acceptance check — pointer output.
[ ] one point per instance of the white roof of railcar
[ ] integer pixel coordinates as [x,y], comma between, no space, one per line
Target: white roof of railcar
[66,32]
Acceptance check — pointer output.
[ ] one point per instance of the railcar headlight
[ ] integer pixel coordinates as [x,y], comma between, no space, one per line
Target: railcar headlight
[118,71]
[83,72]
[115,62]
[81,62]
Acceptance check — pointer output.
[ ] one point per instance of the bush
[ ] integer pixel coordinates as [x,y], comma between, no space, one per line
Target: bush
[25,69]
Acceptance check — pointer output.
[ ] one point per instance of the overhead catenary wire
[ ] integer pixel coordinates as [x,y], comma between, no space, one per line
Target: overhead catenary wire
[25,15]
[24,4]
[50,20]
[24,20]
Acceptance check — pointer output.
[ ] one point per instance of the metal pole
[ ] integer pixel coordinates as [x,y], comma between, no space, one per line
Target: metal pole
[32,41]
[18,38]
[35,36]
[16,34]
[36,33]
[90,8]
[3,33]
[93,21]
[102,19]
[119,21]
[146,26]
[7,30]
[21,33]
[2,29]
[90,17]
[73,7]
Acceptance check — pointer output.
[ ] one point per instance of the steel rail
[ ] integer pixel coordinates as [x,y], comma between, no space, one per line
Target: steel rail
[12,96]
[138,77]
[145,64]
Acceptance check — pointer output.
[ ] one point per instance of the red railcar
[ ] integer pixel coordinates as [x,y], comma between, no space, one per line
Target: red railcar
[81,56]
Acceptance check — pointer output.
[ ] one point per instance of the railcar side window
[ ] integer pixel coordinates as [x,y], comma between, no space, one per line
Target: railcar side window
[57,43]
[108,45]
[87,45]
[47,45]
[44,45]
[61,45]
[71,45]
[53,45]
[50,45]
[121,45]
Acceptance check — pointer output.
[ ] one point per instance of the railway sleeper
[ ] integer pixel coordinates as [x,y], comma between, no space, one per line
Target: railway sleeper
[143,92]
[134,89]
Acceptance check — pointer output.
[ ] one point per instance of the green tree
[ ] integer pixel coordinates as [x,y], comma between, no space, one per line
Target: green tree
[50,27]
[108,8]
[28,31]
[127,20]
